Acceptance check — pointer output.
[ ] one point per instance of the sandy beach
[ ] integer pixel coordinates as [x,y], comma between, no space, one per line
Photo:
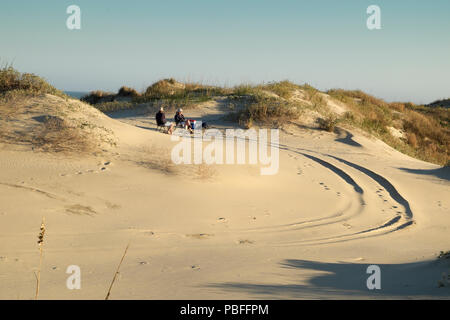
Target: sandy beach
[340,202]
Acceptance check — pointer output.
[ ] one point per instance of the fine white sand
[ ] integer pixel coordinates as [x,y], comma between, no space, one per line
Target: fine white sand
[340,203]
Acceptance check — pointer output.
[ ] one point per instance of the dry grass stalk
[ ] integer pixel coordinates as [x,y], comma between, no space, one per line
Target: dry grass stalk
[41,253]
[117,272]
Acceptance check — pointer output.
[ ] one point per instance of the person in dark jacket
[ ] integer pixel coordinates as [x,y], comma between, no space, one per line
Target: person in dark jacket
[161,121]
[181,120]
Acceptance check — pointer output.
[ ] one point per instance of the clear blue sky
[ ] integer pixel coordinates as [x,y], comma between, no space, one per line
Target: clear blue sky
[225,42]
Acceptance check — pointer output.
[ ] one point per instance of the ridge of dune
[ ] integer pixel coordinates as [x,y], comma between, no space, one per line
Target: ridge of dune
[340,202]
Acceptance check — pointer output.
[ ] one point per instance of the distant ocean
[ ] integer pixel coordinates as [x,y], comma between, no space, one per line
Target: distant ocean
[76,94]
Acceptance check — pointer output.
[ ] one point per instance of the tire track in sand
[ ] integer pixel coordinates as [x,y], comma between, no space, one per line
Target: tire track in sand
[395,223]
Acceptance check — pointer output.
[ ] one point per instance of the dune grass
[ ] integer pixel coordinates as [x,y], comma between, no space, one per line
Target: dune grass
[51,133]
[166,92]
[127,92]
[98,96]
[266,111]
[328,123]
[112,106]
[50,130]
[15,82]
[172,95]
[56,135]
[171,90]
[426,128]
[427,131]
[284,89]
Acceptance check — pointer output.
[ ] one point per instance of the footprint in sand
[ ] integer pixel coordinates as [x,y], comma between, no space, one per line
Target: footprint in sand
[324,186]
[111,205]
[80,210]
[200,235]
[104,165]
[245,241]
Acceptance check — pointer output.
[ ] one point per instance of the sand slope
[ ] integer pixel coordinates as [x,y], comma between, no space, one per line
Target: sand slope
[339,203]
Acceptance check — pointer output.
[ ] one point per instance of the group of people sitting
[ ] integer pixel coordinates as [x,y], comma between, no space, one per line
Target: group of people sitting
[180,121]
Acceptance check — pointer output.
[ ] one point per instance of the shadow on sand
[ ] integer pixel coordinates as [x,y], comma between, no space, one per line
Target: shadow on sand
[338,280]
[346,137]
[441,173]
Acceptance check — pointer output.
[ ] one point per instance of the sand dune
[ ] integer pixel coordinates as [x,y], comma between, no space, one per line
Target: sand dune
[340,202]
